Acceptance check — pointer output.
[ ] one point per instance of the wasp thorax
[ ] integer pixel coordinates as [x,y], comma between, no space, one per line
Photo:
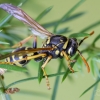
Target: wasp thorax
[72,46]
[58,43]
[61,43]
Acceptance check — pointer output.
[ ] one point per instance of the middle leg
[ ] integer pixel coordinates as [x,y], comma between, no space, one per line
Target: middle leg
[19,44]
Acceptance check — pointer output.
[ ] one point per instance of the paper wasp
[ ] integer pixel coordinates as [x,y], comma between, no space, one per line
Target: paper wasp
[55,46]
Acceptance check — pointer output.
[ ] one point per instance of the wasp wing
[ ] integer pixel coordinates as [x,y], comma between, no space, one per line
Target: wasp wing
[24,52]
[18,13]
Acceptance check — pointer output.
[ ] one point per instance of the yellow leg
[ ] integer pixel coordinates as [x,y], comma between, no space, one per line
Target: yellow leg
[6,63]
[22,42]
[31,57]
[36,56]
[43,66]
[68,59]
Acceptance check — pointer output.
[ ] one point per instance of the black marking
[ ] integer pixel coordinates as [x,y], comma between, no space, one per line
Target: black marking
[57,43]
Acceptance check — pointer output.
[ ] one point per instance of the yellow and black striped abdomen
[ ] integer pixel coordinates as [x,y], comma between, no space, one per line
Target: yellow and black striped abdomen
[18,60]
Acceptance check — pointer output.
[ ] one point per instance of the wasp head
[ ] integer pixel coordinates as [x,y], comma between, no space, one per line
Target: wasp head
[72,46]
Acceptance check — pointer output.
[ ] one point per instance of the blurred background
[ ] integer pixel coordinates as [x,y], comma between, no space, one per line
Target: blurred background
[87,14]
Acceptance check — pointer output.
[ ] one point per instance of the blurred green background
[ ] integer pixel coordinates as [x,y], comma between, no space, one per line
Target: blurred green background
[74,84]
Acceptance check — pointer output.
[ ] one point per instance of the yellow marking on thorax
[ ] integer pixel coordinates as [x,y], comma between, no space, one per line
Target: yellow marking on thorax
[61,54]
[57,52]
[48,40]
[61,40]
[65,45]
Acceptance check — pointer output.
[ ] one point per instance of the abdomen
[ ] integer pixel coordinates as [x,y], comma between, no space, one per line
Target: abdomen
[15,58]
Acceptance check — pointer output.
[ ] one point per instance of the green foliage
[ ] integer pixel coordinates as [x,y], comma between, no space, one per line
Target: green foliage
[70,18]
[79,35]
[40,72]
[13,67]
[91,50]
[44,13]
[67,14]
[3,42]
[93,85]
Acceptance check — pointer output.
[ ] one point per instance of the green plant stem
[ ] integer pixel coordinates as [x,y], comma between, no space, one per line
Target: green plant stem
[56,82]
[94,91]
[90,87]
[5,96]
[2,82]
[91,26]
[32,78]
[93,48]
[2,94]
[67,14]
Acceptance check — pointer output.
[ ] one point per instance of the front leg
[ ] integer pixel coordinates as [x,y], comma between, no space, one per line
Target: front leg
[69,61]
[44,72]
[67,57]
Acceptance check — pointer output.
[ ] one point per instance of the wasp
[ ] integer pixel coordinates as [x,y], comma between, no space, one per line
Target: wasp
[55,46]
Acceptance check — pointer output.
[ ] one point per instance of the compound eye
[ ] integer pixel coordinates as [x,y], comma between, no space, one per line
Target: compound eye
[74,39]
[71,51]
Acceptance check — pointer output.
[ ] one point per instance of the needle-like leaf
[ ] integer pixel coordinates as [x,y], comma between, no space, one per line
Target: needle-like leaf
[13,67]
[44,13]
[40,72]
[3,42]
[68,14]
[90,87]
[79,35]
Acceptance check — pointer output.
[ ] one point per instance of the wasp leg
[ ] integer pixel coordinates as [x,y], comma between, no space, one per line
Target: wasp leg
[22,42]
[68,59]
[43,66]
[88,68]
[6,63]
[35,42]
[36,56]
[85,38]
[30,57]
